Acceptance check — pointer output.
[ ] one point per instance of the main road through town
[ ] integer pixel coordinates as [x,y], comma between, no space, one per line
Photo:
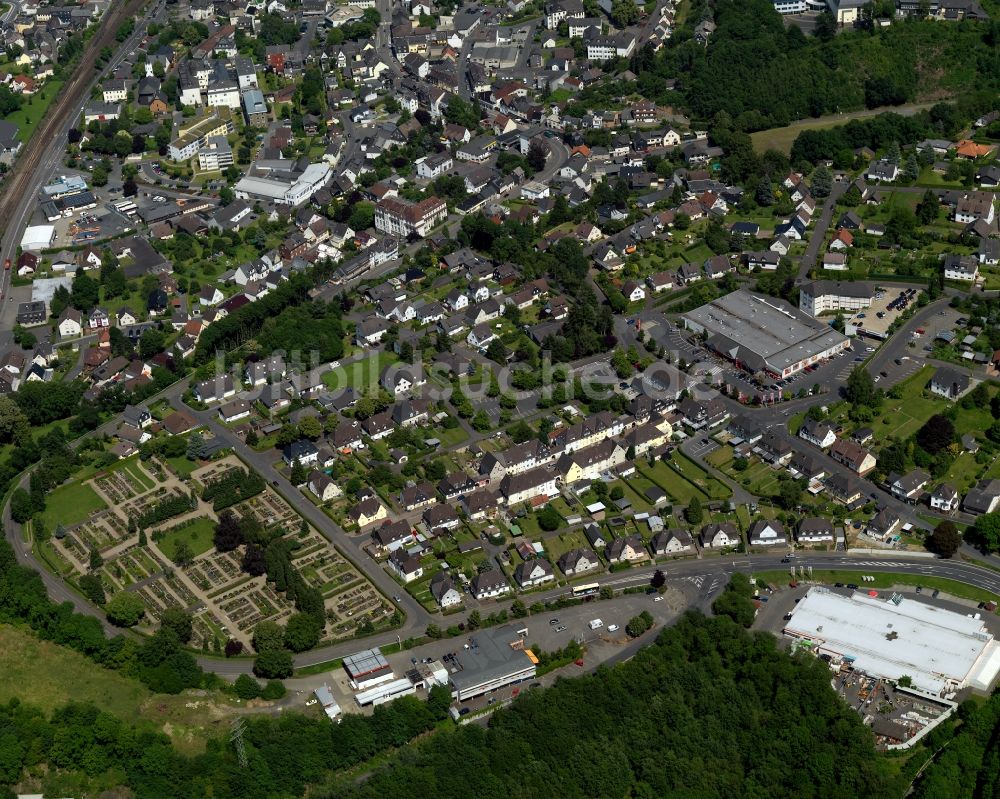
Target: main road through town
[43,152]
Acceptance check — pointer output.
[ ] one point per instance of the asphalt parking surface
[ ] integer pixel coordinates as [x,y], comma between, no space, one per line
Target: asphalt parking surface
[702,446]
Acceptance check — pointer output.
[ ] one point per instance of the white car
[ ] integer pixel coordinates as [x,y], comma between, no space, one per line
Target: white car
[657,598]
[612,628]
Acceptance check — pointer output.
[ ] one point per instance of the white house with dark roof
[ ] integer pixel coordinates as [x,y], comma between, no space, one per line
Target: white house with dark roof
[814,530]
[532,573]
[767,533]
[489,585]
[944,498]
[718,536]
[949,383]
[819,434]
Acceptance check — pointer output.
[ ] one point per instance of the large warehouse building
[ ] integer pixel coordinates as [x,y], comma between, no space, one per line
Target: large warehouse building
[941,651]
[764,334]
[494,658]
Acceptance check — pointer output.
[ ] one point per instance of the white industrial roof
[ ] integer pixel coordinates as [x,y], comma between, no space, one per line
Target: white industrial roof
[930,644]
[264,187]
[38,237]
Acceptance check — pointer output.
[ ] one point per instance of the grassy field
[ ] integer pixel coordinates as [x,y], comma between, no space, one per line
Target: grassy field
[71,504]
[27,117]
[48,676]
[198,536]
[883,581]
[677,488]
[181,466]
[44,674]
[781,139]
[693,472]
[359,375]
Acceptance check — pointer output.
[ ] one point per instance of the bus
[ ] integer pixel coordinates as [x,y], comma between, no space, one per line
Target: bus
[586,590]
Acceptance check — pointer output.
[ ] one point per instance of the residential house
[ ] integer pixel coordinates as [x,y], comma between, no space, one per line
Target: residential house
[944,498]
[983,498]
[534,572]
[961,267]
[884,524]
[819,434]
[844,489]
[719,536]
[853,456]
[578,561]
[767,532]
[489,585]
[323,486]
[814,530]
[302,451]
[367,512]
[674,541]
[949,383]
[443,590]
[531,486]
[908,487]
[405,566]
[626,550]
[390,536]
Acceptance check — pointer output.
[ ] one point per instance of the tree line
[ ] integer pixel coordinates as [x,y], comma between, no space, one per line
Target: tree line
[88,746]
[233,487]
[159,661]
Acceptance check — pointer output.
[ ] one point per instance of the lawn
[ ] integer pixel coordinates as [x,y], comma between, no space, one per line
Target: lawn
[71,504]
[963,472]
[198,534]
[181,466]
[781,139]
[883,581]
[679,489]
[693,472]
[27,117]
[359,375]
[449,437]
[902,417]
[137,473]
[557,544]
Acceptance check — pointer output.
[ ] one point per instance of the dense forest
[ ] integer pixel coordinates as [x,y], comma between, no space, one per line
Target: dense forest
[968,767]
[760,74]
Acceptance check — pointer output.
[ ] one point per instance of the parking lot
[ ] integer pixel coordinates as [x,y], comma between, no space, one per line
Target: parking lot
[702,446]
[548,632]
[95,224]
[885,309]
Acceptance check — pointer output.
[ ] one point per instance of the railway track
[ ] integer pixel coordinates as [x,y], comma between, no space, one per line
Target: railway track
[23,175]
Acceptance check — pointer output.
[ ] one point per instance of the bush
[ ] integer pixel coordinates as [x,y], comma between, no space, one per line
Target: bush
[276,664]
[246,687]
[637,625]
[125,609]
[275,689]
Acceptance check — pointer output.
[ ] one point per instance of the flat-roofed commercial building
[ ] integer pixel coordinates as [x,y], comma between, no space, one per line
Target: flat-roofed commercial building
[940,650]
[193,137]
[764,334]
[284,188]
[367,668]
[495,658]
[827,296]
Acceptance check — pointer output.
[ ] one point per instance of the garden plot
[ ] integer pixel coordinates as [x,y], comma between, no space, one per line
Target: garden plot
[267,508]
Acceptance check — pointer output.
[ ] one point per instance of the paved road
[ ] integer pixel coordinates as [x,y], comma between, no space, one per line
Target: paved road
[819,230]
[24,187]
